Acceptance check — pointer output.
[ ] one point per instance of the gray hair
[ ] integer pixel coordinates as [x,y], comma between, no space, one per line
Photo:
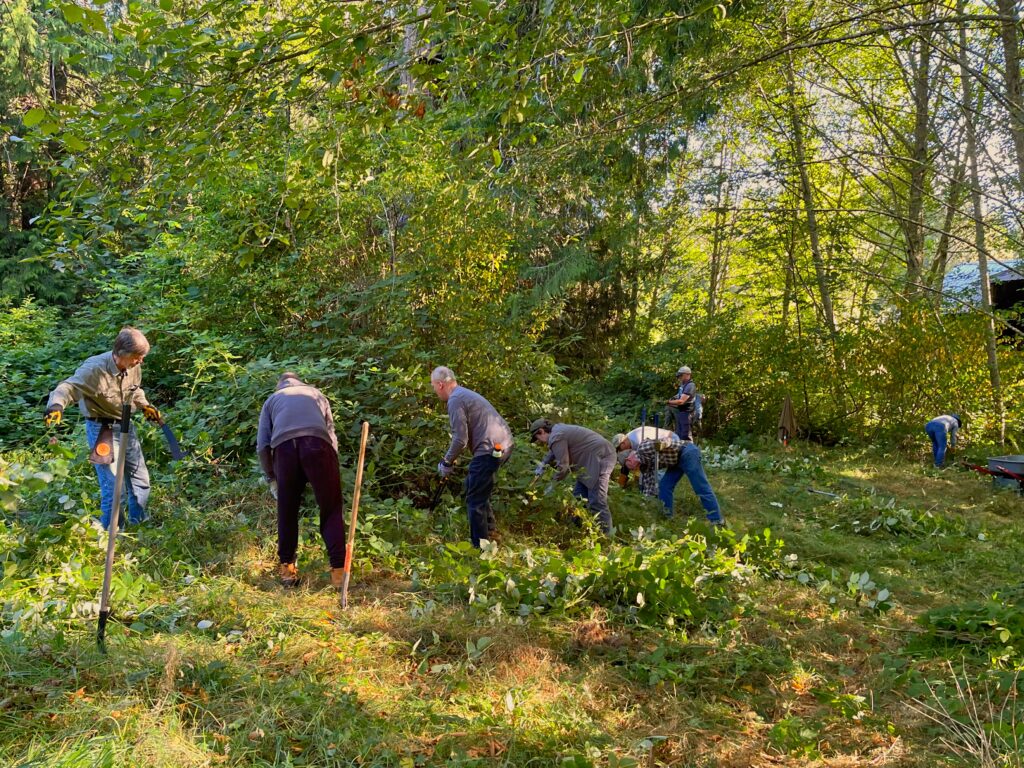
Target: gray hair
[288,375]
[130,341]
[443,374]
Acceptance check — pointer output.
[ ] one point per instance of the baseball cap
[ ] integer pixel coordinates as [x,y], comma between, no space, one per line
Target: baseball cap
[617,440]
[537,426]
[684,369]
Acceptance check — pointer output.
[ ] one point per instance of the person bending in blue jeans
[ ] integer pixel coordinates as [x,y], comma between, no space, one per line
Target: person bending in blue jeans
[677,458]
[937,429]
[477,425]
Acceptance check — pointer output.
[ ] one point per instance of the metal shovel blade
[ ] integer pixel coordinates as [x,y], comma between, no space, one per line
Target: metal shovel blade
[172,442]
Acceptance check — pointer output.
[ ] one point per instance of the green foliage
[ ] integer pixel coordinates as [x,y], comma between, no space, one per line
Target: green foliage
[653,581]
[39,348]
[871,515]
[880,380]
[995,625]
[20,479]
[796,736]
[23,275]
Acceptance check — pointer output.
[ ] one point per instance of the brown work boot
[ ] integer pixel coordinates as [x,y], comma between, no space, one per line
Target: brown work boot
[288,574]
[337,577]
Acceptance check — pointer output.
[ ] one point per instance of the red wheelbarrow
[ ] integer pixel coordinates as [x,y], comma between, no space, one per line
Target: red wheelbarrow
[1002,477]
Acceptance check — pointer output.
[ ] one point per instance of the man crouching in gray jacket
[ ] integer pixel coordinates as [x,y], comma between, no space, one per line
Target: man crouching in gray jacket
[296,444]
[577,448]
[476,424]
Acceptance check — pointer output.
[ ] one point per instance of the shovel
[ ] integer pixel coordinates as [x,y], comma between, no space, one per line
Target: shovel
[355,511]
[115,511]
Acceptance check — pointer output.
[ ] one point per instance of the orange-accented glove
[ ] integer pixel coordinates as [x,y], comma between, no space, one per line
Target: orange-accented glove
[54,414]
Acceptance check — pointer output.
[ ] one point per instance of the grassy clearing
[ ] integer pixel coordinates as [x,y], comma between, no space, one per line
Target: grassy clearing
[782,661]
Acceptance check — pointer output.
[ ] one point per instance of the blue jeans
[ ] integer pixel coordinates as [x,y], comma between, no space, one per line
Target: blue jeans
[479,486]
[597,499]
[689,465]
[683,427]
[936,430]
[136,475]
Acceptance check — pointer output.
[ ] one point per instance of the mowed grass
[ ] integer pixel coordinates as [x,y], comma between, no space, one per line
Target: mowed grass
[218,666]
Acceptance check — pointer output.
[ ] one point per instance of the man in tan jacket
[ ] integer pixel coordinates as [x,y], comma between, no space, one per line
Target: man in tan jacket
[101,386]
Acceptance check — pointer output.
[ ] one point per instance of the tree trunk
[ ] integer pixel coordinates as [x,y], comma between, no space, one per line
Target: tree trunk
[1011,55]
[411,49]
[937,274]
[718,249]
[11,190]
[967,88]
[913,228]
[790,267]
[808,199]
[659,276]
[640,210]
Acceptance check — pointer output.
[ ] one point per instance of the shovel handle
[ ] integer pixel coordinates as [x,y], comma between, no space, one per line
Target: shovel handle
[350,544]
[112,527]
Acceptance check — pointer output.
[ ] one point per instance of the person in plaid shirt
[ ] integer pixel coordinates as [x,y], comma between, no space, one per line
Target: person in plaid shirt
[677,458]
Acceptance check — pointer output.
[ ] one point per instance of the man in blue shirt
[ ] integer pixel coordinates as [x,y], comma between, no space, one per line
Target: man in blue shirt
[683,402]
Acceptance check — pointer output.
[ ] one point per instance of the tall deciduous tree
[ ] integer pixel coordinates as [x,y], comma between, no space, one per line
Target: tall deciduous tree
[971,150]
[807,195]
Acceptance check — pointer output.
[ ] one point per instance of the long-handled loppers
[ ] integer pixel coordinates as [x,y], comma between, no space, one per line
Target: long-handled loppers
[437,494]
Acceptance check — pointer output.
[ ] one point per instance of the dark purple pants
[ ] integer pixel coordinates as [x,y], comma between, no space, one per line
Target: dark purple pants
[313,460]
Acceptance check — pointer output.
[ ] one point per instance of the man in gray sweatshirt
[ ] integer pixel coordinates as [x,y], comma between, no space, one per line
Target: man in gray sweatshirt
[477,425]
[574,448]
[296,444]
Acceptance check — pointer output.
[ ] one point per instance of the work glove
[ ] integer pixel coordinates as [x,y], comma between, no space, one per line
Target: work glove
[53,415]
[539,470]
[444,470]
[151,413]
[273,488]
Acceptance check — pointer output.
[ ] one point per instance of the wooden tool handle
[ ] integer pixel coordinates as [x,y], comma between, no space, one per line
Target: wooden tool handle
[350,544]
